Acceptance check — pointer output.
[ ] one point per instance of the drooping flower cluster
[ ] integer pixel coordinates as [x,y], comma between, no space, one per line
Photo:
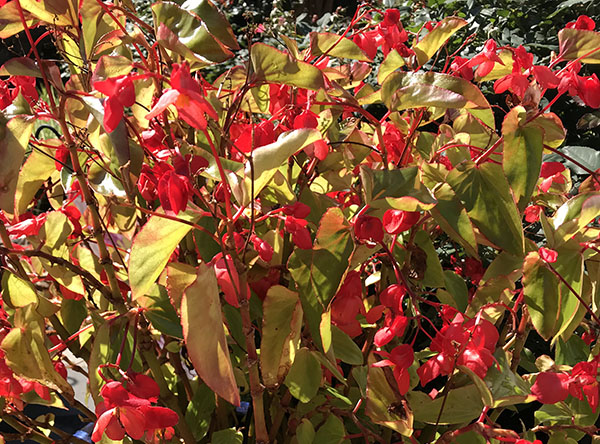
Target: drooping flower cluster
[129,410]
[461,342]
[580,382]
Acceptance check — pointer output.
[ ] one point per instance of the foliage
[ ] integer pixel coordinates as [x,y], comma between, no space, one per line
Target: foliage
[260,258]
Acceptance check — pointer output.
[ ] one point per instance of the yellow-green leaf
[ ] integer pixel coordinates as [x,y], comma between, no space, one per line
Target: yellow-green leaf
[268,158]
[404,90]
[304,378]
[392,62]
[282,321]
[576,43]
[335,46]
[26,354]
[437,37]
[12,151]
[204,335]
[522,159]
[152,248]
[274,66]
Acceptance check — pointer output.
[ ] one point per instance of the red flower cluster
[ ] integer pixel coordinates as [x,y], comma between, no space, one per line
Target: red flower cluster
[130,410]
[400,359]
[10,89]
[469,343]
[120,93]
[389,34]
[295,224]
[395,322]
[580,382]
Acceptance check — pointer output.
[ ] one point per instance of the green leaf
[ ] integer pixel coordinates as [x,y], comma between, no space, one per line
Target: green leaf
[281,325]
[274,66]
[179,277]
[576,43]
[522,158]
[53,12]
[304,378]
[550,303]
[392,62]
[204,335]
[10,22]
[112,66]
[405,90]
[345,348]
[485,193]
[26,354]
[458,289]
[20,66]
[461,405]
[187,35]
[452,217]
[214,20]
[575,214]
[484,391]
[335,46]
[305,432]
[160,312]
[35,171]
[268,158]
[384,407]
[506,386]
[319,272]
[332,432]
[399,189]
[227,436]
[14,139]
[437,37]
[434,274]
[152,247]
[199,411]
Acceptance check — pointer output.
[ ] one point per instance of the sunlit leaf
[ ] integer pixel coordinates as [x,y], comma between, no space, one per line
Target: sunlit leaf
[152,248]
[485,193]
[404,90]
[522,158]
[274,66]
[335,46]
[16,133]
[282,321]
[304,378]
[436,38]
[204,334]
[579,44]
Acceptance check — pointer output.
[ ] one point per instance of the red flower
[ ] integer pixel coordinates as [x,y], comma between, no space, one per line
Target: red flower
[397,221]
[461,68]
[392,297]
[347,304]
[368,229]
[228,279]
[187,97]
[532,213]
[548,255]
[589,91]
[394,326]
[173,192]
[120,93]
[486,59]
[400,359]
[123,412]
[297,209]
[469,343]
[300,234]
[264,249]
[582,22]
[550,387]
[551,172]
